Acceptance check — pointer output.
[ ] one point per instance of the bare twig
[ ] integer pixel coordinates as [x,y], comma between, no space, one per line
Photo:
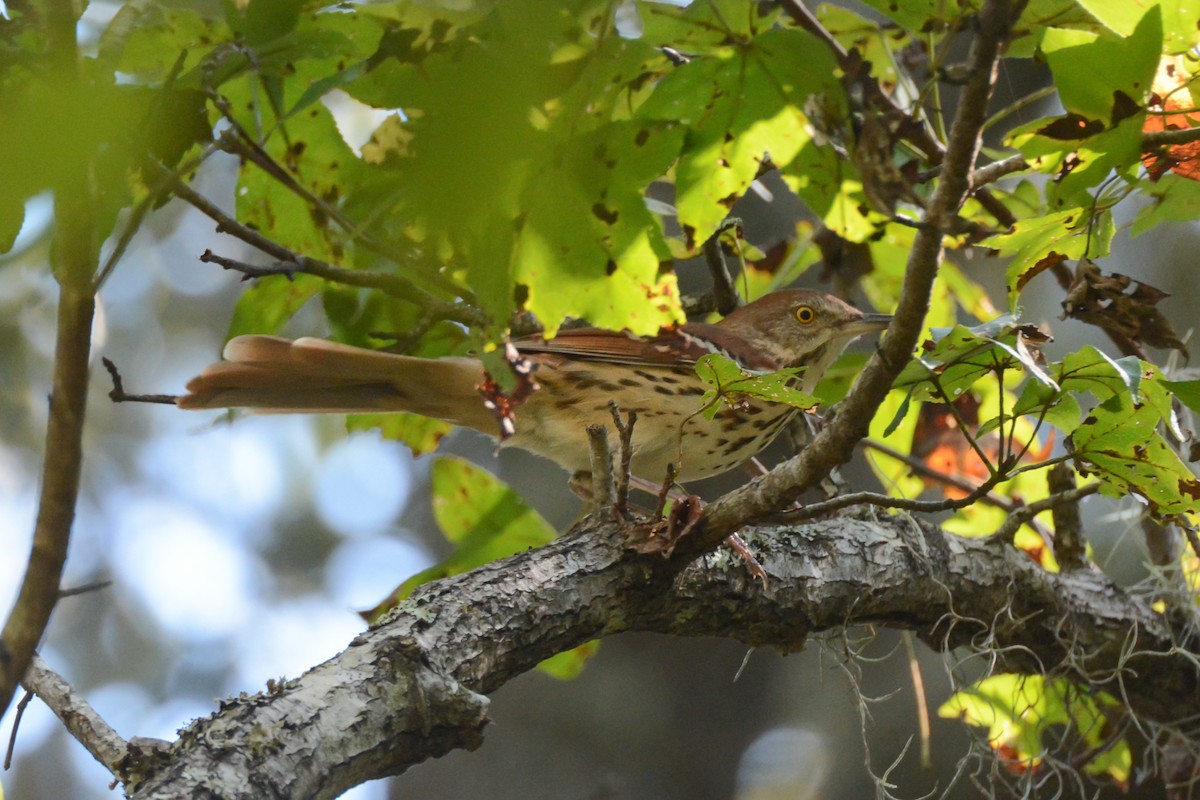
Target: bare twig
[814,510]
[22,704]
[391,284]
[602,467]
[84,588]
[287,269]
[724,291]
[79,718]
[1070,549]
[119,395]
[625,444]
[1153,139]
[997,170]
[240,143]
[1016,519]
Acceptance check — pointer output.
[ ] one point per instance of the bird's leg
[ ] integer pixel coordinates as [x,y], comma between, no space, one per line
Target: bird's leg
[687,511]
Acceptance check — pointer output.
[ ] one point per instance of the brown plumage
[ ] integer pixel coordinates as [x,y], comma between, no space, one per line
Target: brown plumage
[580,372]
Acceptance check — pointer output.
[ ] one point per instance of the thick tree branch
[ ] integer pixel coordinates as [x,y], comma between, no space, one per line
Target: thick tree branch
[409,683]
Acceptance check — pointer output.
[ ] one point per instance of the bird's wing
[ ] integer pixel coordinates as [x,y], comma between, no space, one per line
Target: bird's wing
[682,346]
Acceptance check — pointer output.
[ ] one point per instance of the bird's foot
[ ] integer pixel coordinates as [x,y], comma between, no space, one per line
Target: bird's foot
[687,511]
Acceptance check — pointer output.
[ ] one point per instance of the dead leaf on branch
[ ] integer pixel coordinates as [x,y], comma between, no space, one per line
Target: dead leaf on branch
[1120,304]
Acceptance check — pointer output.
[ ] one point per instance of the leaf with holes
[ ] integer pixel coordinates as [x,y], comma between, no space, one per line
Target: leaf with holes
[740,106]
[732,384]
[1119,442]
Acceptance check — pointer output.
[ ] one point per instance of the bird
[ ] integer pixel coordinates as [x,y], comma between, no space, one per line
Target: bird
[581,372]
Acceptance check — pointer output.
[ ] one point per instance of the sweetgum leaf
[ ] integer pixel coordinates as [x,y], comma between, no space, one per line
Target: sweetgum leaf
[1093,71]
[1038,242]
[1119,442]
[739,106]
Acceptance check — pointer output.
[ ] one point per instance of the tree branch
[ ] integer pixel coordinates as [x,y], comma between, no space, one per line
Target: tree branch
[75,258]
[77,716]
[388,283]
[835,443]
[409,684]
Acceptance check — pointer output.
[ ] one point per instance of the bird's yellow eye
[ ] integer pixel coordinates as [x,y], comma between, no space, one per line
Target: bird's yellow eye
[805,315]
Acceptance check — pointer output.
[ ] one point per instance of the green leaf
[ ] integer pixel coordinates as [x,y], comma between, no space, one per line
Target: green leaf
[1176,199]
[12,218]
[568,664]
[959,357]
[267,305]
[832,189]
[261,21]
[1041,15]
[483,516]
[1092,370]
[739,107]
[1188,392]
[1038,243]
[148,38]
[588,246]
[1180,30]
[1120,443]
[918,15]
[1059,409]
[421,434]
[1020,710]
[1090,70]
[706,27]
[731,383]
[1079,164]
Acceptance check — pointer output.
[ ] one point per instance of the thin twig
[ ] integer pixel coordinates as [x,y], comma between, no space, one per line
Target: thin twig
[625,443]
[602,467]
[22,704]
[390,284]
[239,142]
[287,269]
[723,288]
[813,510]
[84,588]
[997,170]
[1153,139]
[76,714]
[1019,517]
[119,395]
[919,467]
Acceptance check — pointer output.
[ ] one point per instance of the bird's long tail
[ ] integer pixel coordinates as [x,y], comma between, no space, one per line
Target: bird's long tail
[271,374]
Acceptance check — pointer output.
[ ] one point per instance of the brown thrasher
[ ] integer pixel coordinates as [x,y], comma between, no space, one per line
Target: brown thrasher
[581,372]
